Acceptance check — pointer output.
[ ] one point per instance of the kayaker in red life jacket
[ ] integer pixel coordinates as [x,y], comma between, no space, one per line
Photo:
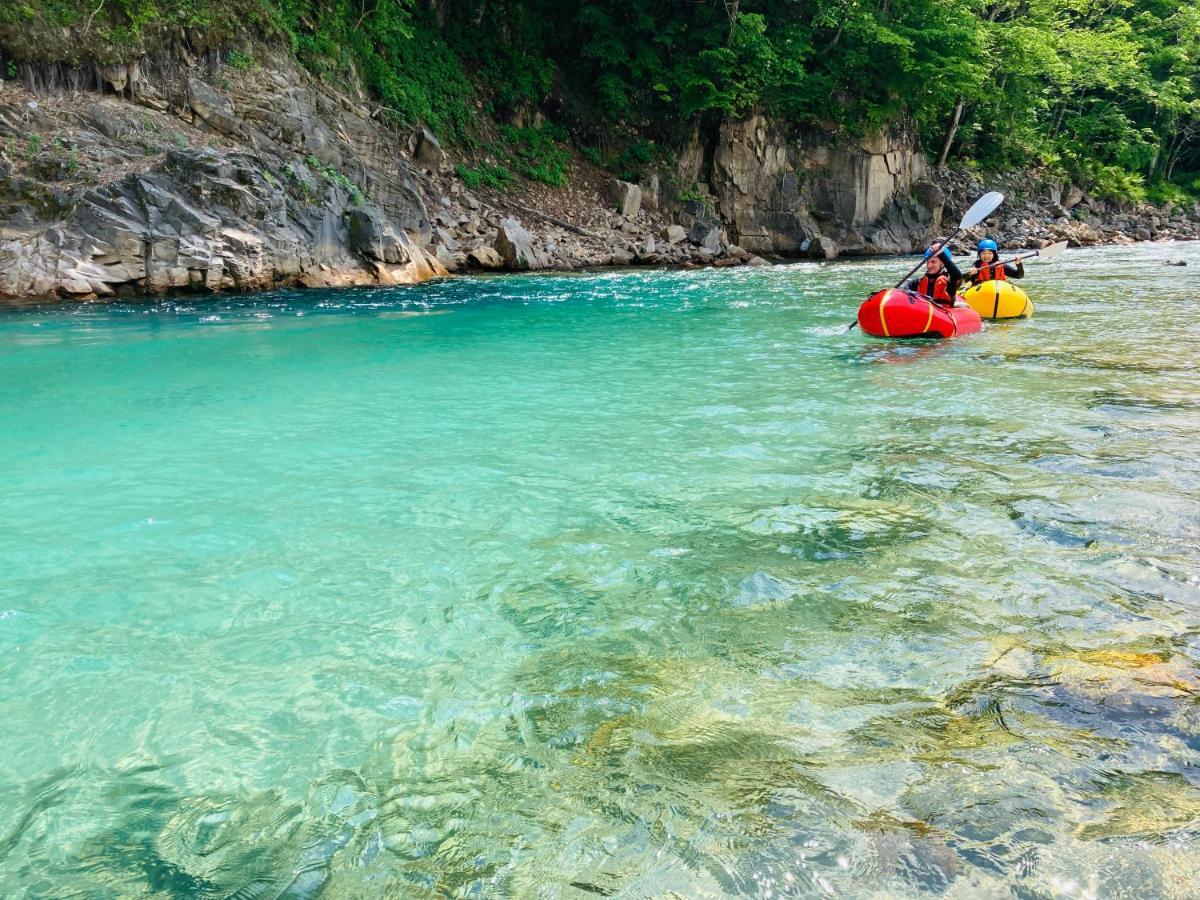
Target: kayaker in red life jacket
[985,269]
[941,279]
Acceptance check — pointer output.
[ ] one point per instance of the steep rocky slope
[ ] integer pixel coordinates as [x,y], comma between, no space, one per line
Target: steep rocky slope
[197,176]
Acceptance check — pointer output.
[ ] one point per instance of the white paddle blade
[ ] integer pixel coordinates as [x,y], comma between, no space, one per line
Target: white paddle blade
[1053,250]
[983,207]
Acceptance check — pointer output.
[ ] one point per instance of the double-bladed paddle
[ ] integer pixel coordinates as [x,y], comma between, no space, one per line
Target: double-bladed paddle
[980,210]
[1045,253]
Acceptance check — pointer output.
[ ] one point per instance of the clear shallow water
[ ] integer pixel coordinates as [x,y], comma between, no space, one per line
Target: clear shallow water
[635,584]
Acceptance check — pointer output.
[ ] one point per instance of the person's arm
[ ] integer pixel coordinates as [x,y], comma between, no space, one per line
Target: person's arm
[1015,270]
[956,277]
[912,283]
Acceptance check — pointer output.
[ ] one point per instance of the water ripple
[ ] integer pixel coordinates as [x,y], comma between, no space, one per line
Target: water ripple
[623,584]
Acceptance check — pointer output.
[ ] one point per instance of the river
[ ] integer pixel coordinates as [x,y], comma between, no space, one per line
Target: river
[630,584]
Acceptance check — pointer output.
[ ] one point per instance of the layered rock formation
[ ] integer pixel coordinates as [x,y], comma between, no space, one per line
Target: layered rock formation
[802,192]
[181,186]
[204,220]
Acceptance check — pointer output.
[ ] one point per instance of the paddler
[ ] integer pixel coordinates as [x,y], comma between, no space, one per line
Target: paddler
[942,277]
[985,268]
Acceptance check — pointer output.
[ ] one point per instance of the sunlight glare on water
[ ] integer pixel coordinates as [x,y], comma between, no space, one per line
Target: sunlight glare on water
[625,584]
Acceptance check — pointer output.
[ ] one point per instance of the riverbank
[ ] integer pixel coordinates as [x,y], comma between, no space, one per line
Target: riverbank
[207,177]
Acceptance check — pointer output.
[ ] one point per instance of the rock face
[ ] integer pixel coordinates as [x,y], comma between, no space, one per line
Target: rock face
[778,191]
[209,221]
[296,187]
[213,109]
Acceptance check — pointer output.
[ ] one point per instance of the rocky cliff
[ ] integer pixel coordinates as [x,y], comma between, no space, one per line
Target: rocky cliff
[195,176]
[791,191]
[152,185]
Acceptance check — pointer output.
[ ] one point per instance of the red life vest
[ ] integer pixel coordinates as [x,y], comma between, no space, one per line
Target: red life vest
[938,290]
[991,272]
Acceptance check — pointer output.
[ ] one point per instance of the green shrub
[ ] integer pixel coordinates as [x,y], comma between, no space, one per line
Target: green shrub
[635,159]
[333,176]
[1114,183]
[1161,192]
[538,154]
[490,175]
[236,59]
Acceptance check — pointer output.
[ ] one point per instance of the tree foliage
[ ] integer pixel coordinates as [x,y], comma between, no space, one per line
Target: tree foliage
[1104,91]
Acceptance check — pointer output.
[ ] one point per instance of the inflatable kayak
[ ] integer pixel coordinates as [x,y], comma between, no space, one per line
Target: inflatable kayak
[999,300]
[894,313]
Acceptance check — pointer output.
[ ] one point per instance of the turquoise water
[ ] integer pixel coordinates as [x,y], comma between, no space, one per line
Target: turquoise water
[628,584]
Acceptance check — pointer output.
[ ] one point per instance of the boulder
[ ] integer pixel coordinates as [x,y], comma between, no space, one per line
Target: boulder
[515,247]
[484,257]
[427,151]
[823,248]
[625,196]
[1176,262]
[705,235]
[620,257]
[447,258]
[673,234]
[373,236]
[650,192]
[1073,197]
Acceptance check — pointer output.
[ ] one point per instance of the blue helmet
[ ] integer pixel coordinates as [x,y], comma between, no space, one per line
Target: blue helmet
[987,244]
[944,253]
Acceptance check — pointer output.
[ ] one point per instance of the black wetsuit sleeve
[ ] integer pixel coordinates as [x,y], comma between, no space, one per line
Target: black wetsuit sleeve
[956,277]
[1014,270]
[912,283]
